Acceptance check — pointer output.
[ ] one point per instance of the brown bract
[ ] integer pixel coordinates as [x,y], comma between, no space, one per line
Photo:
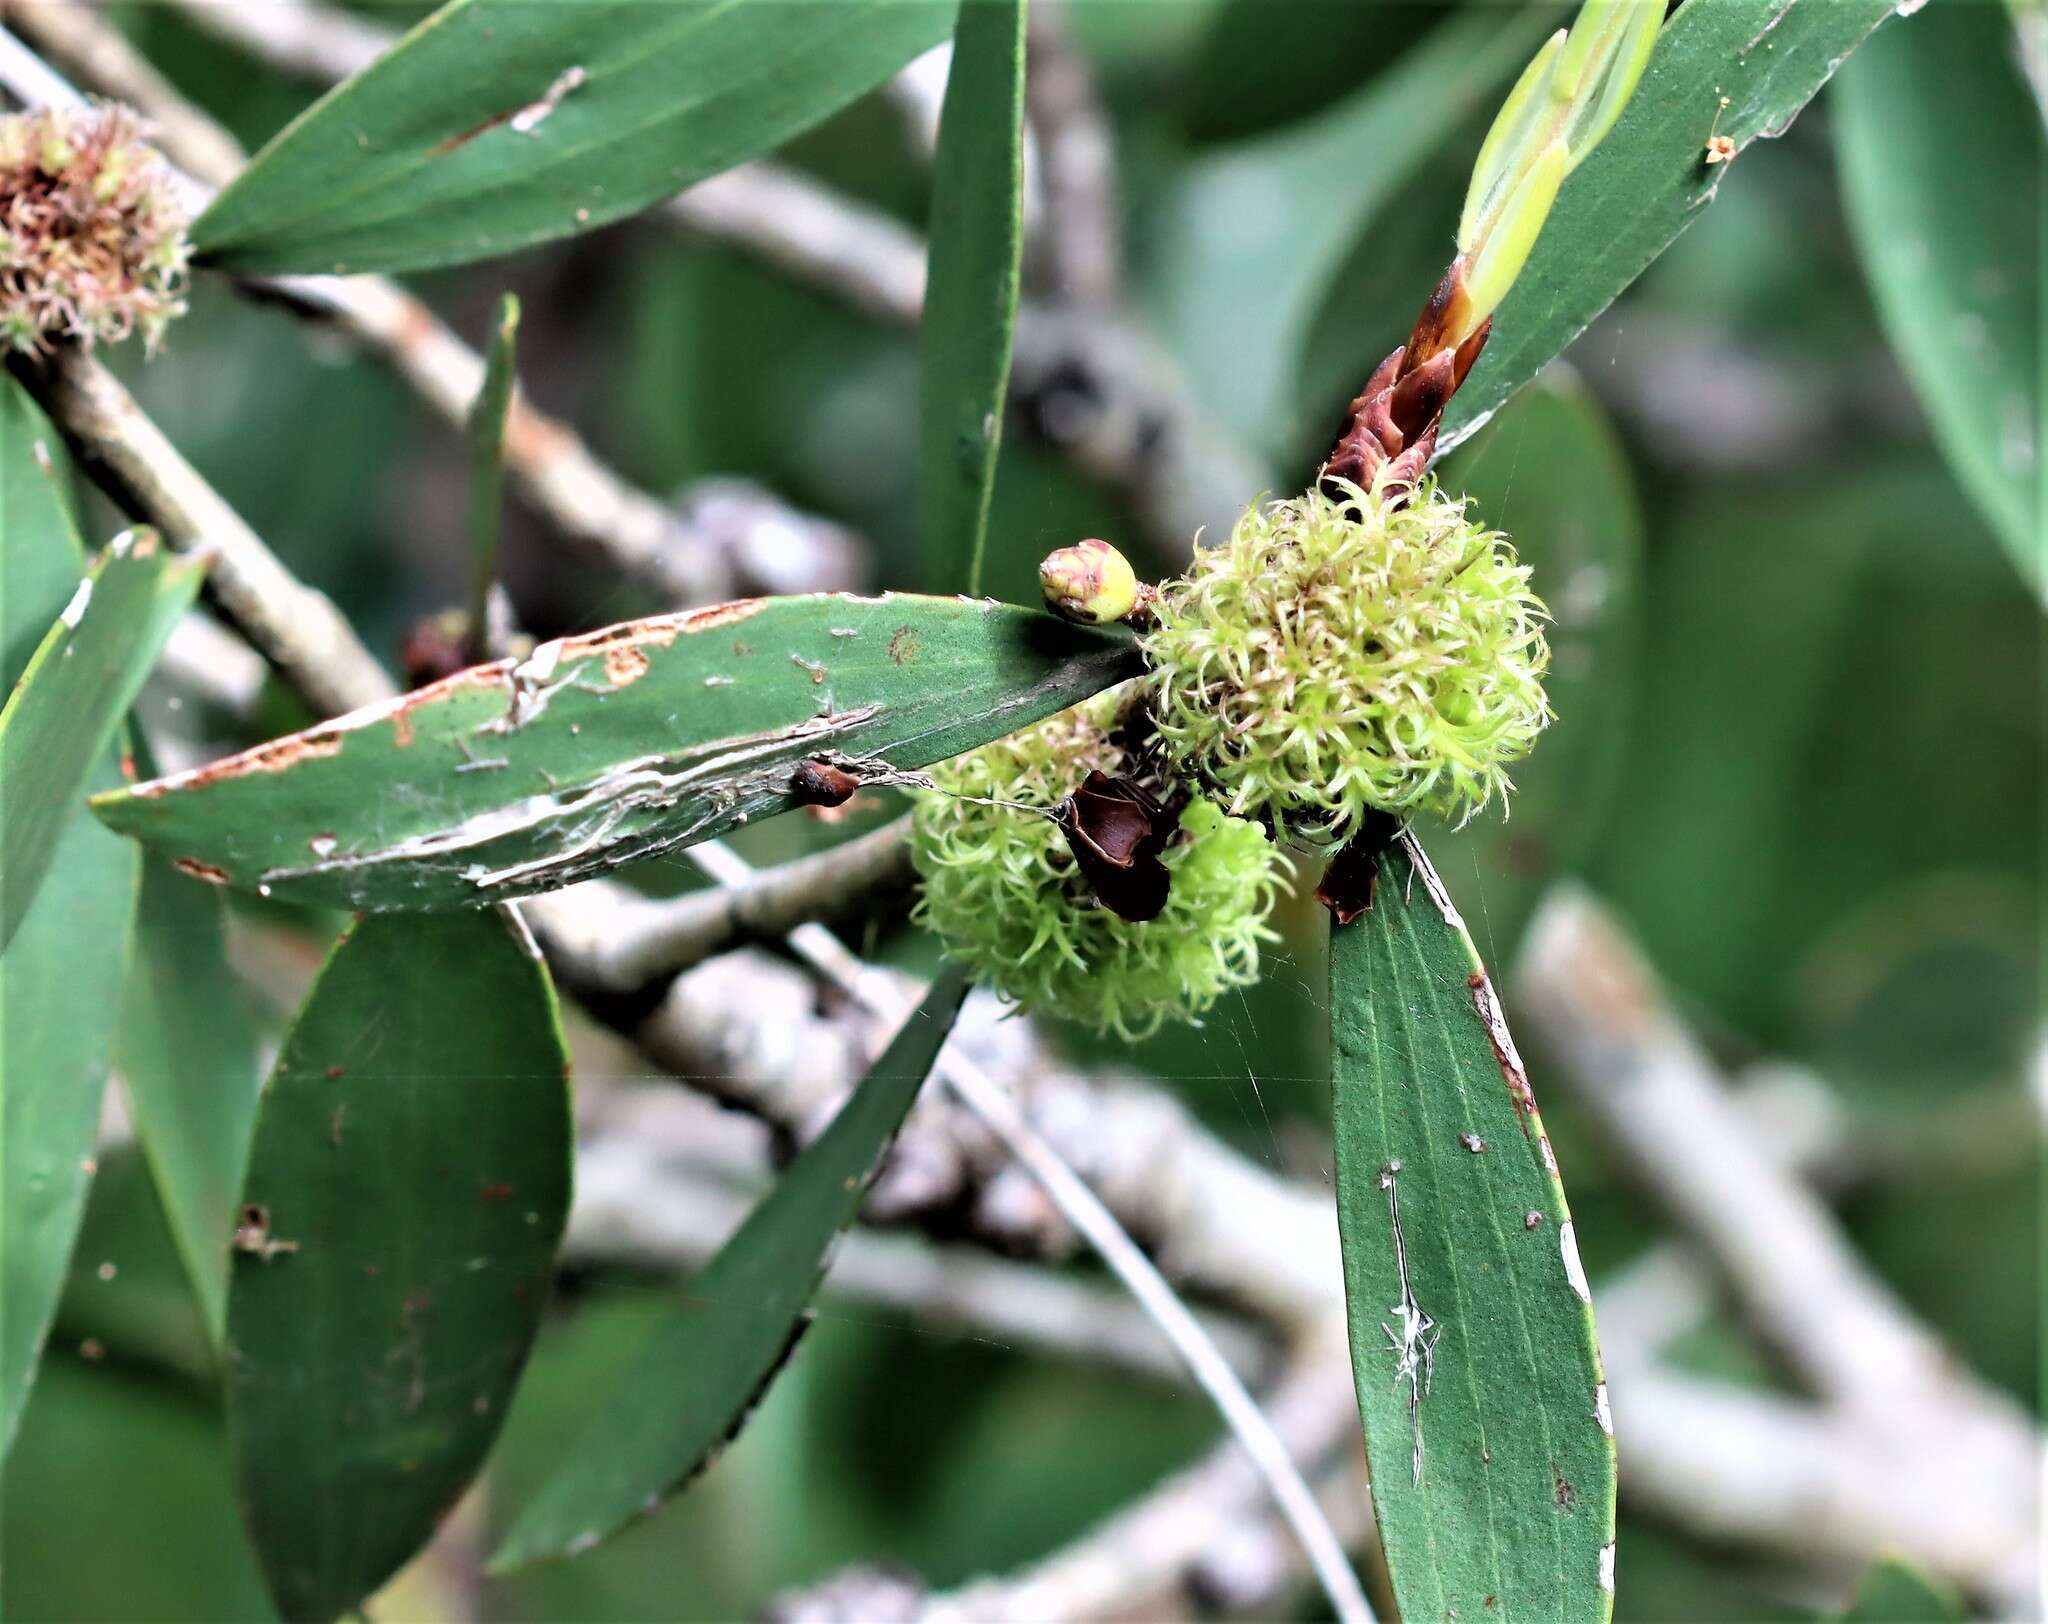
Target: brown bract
[1394,420]
[1116,832]
[1346,887]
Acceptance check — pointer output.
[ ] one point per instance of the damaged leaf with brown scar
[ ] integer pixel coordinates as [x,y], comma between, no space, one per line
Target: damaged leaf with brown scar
[520,777]
[1477,1368]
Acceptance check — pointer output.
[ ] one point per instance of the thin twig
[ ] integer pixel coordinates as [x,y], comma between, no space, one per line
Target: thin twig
[308,41]
[297,629]
[635,1206]
[638,942]
[1094,1222]
[669,549]
[1086,379]
[1080,239]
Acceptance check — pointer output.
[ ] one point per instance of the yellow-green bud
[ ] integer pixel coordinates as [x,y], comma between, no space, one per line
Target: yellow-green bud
[1090,582]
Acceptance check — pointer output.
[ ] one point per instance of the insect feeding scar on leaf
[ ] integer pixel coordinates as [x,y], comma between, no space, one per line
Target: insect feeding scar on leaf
[1415,1343]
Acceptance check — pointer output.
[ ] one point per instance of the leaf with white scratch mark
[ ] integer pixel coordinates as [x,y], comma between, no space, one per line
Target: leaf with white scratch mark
[613,747]
[1509,1511]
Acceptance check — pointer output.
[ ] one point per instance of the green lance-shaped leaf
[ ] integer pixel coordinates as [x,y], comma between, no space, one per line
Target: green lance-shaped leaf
[65,710]
[1317,185]
[62,973]
[1486,1415]
[596,750]
[970,314]
[1942,153]
[1551,473]
[1649,179]
[41,557]
[496,124]
[406,1192]
[1560,110]
[487,414]
[1892,1591]
[190,1050]
[709,1365]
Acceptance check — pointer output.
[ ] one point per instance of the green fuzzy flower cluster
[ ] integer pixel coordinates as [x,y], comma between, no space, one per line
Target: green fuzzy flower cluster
[1340,655]
[1003,892]
[92,235]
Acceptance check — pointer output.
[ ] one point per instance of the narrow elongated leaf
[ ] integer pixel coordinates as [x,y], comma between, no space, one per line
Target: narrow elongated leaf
[191,1054]
[1242,302]
[487,416]
[500,123]
[1942,152]
[1550,472]
[66,708]
[406,1192]
[970,313]
[1650,179]
[1493,1475]
[506,780]
[708,1366]
[62,973]
[41,557]
[1894,1592]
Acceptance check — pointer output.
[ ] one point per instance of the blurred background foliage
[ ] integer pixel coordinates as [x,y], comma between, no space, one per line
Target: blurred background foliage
[1808,672]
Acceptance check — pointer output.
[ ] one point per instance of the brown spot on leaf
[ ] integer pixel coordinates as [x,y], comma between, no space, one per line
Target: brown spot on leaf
[497,1192]
[624,665]
[1487,1003]
[200,871]
[334,1074]
[902,646]
[455,143]
[1561,1490]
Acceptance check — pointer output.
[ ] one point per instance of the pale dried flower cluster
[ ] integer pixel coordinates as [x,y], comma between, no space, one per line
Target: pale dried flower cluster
[92,235]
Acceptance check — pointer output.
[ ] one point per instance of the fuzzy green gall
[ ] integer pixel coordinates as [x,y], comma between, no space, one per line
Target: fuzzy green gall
[92,235]
[1345,653]
[1007,898]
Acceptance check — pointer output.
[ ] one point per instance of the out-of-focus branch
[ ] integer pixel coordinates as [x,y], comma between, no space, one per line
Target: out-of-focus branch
[1591,998]
[854,253]
[1593,1002]
[747,1028]
[309,41]
[637,942]
[644,539]
[1080,243]
[296,628]
[999,1113]
[638,1208]
[713,543]
[1182,1550]
[1086,379]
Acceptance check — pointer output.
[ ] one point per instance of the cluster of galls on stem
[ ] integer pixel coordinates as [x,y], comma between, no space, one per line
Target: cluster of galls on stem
[1345,660]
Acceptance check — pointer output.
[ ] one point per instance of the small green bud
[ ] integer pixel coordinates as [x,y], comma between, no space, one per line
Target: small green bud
[1341,655]
[1090,582]
[1005,894]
